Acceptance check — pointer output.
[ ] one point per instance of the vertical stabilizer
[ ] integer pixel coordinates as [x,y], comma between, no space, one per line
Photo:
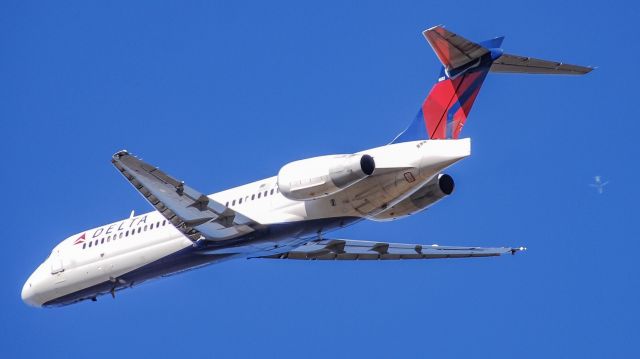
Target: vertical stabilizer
[465,66]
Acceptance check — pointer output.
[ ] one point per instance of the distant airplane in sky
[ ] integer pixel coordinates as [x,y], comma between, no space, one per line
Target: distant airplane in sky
[289,215]
[598,184]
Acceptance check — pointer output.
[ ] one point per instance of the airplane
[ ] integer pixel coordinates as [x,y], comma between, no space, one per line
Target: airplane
[598,184]
[289,216]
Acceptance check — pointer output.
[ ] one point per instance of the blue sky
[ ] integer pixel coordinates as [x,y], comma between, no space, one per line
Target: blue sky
[221,94]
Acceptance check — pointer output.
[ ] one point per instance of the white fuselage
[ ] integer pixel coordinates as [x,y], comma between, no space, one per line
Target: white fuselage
[128,252]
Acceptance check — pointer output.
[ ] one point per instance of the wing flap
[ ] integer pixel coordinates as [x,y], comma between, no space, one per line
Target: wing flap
[339,249]
[193,213]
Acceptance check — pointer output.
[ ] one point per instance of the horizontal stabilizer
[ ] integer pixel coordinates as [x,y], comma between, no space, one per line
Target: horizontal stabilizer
[508,63]
[454,51]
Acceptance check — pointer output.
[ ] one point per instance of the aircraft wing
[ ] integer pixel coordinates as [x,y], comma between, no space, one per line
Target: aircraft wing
[193,213]
[347,249]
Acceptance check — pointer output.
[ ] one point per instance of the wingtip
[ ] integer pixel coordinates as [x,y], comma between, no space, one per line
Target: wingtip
[583,70]
[516,250]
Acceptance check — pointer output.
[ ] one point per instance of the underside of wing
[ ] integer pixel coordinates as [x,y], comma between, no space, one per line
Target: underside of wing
[346,249]
[194,214]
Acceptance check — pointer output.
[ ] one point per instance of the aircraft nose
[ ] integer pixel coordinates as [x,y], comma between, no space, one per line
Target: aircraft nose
[28,293]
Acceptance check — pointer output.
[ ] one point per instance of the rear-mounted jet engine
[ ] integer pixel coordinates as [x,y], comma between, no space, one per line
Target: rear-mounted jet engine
[433,191]
[321,176]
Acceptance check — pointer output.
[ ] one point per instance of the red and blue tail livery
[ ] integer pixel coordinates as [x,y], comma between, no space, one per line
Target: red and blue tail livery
[465,67]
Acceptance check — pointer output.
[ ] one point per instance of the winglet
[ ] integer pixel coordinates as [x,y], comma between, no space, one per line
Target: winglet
[516,250]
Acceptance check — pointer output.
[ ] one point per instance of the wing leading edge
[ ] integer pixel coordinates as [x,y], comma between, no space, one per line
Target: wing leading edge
[346,249]
[194,214]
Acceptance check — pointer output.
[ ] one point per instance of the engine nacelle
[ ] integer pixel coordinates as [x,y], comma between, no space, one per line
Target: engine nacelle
[321,176]
[433,191]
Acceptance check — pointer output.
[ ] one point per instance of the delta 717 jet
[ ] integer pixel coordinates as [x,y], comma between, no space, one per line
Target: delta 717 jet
[288,216]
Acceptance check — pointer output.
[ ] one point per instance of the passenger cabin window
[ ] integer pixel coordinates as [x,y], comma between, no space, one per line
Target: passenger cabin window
[259,195]
[84,245]
[151,227]
[139,229]
[145,228]
[233,203]
[240,201]
[253,196]
[164,222]
[271,193]
[90,244]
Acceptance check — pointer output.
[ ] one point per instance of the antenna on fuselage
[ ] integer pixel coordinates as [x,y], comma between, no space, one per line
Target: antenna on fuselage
[133,213]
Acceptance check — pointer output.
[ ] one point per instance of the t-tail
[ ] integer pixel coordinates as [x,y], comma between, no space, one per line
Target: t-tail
[465,66]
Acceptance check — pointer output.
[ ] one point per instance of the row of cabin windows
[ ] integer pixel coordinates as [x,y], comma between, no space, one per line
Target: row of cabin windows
[123,234]
[253,196]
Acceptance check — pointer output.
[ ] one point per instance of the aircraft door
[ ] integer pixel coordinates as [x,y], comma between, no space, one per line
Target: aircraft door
[57,266]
